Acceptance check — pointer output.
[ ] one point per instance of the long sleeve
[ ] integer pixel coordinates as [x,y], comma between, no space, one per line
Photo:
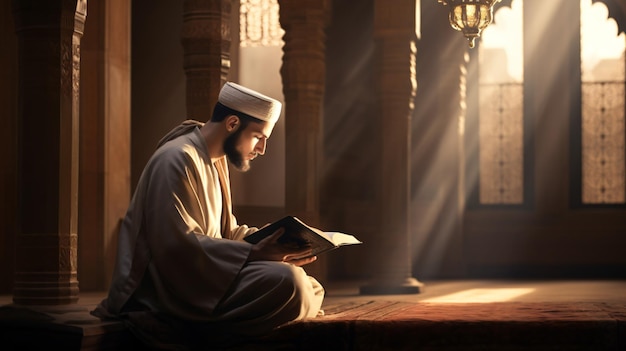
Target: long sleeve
[230,228]
[182,212]
[171,236]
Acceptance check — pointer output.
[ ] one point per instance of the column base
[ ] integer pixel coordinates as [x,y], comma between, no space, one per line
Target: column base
[69,327]
[402,287]
[43,290]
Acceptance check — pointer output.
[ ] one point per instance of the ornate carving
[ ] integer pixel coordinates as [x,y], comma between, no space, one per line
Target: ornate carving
[501,143]
[67,68]
[205,38]
[603,144]
[260,23]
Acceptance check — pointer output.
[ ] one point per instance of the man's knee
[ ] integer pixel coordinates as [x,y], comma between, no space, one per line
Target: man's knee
[288,277]
[297,289]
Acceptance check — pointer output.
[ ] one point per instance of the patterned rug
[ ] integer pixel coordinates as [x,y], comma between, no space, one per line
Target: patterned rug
[370,325]
[393,325]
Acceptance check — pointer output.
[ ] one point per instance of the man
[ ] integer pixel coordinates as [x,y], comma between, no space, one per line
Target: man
[181,259]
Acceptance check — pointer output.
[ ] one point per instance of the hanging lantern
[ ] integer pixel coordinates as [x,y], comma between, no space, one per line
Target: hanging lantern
[470,16]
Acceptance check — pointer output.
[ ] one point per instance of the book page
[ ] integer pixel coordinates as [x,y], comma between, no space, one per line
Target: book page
[341,238]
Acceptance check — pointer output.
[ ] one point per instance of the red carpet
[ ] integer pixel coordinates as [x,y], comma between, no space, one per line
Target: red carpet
[373,325]
[389,325]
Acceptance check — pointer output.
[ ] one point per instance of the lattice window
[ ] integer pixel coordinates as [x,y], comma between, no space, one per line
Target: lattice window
[501,144]
[259,24]
[501,110]
[603,134]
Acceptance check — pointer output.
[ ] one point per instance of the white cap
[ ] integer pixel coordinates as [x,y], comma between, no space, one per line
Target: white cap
[250,102]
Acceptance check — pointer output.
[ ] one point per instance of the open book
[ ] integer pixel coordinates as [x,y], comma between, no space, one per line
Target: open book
[299,234]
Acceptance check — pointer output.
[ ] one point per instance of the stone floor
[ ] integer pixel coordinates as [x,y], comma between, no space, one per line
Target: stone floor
[356,318]
[478,291]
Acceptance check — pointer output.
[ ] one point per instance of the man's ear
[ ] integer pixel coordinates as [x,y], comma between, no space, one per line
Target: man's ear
[232,123]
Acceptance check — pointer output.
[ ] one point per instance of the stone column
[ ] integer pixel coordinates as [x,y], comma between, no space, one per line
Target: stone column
[206,44]
[303,73]
[49,34]
[104,186]
[395,37]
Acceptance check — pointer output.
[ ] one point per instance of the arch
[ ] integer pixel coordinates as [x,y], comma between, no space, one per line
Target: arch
[617,11]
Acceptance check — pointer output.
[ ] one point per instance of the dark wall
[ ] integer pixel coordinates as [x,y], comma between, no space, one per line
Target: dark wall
[158,79]
[8,145]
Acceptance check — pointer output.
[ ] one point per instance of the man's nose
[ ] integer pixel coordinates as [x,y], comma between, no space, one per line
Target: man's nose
[260,147]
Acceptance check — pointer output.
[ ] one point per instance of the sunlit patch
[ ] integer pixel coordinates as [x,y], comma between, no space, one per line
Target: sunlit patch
[482,295]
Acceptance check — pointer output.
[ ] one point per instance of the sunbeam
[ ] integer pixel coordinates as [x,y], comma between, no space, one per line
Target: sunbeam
[482,295]
[517,135]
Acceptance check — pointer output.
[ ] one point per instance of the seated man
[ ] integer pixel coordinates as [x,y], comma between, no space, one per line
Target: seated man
[181,259]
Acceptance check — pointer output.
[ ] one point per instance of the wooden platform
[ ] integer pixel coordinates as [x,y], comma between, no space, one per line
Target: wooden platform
[454,315]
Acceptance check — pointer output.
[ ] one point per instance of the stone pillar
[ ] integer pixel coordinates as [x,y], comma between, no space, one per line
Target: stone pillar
[49,34]
[303,73]
[104,186]
[206,44]
[395,37]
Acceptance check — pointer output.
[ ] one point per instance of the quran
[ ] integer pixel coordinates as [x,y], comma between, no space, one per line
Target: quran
[301,235]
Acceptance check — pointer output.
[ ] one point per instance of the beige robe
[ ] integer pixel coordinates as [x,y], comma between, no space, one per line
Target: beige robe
[180,251]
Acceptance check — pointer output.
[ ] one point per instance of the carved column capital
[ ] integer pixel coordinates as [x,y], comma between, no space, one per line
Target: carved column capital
[206,40]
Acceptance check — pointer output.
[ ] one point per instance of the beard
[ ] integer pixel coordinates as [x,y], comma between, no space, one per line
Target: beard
[234,156]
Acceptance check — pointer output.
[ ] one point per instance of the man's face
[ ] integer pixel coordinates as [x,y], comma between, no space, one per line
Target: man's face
[245,144]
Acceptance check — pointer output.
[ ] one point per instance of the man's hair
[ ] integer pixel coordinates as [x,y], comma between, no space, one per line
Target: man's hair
[220,112]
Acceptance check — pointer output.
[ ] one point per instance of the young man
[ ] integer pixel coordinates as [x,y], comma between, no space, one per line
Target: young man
[181,257]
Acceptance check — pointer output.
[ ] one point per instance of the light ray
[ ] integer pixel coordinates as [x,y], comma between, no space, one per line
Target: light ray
[482,295]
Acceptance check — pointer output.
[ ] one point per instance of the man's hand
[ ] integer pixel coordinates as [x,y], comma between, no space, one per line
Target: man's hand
[269,249]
